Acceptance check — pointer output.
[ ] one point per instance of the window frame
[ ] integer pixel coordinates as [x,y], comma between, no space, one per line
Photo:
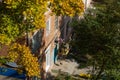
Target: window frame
[48,26]
[48,58]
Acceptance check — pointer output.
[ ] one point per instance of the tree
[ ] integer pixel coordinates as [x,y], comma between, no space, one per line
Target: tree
[18,17]
[67,7]
[23,57]
[25,15]
[98,35]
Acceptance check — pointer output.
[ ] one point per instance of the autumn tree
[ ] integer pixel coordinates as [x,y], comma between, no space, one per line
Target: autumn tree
[20,16]
[67,7]
[23,57]
[98,35]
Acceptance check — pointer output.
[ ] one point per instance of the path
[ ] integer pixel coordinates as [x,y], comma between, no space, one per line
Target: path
[69,66]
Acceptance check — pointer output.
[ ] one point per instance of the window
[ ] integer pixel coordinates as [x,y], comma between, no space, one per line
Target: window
[47,58]
[52,57]
[48,27]
[36,41]
[56,22]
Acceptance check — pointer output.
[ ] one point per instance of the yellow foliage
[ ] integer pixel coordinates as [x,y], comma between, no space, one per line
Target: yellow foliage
[67,7]
[85,75]
[32,10]
[35,9]
[4,39]
[22,56]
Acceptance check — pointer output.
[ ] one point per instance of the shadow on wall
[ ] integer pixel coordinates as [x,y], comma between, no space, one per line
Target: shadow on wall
[37,41]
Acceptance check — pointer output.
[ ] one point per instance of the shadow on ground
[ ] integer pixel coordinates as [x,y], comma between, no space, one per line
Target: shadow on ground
[81,59]
[64,76]
[69,68]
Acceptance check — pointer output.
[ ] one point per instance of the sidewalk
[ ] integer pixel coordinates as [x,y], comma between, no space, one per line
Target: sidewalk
[68,66]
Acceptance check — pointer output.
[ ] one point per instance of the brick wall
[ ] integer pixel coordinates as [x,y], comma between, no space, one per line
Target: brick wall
[49,39]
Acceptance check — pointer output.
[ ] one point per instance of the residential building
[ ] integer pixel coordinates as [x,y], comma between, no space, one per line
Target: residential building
[44,42]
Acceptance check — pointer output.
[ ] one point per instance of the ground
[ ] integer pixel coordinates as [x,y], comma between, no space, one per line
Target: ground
[68,66]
